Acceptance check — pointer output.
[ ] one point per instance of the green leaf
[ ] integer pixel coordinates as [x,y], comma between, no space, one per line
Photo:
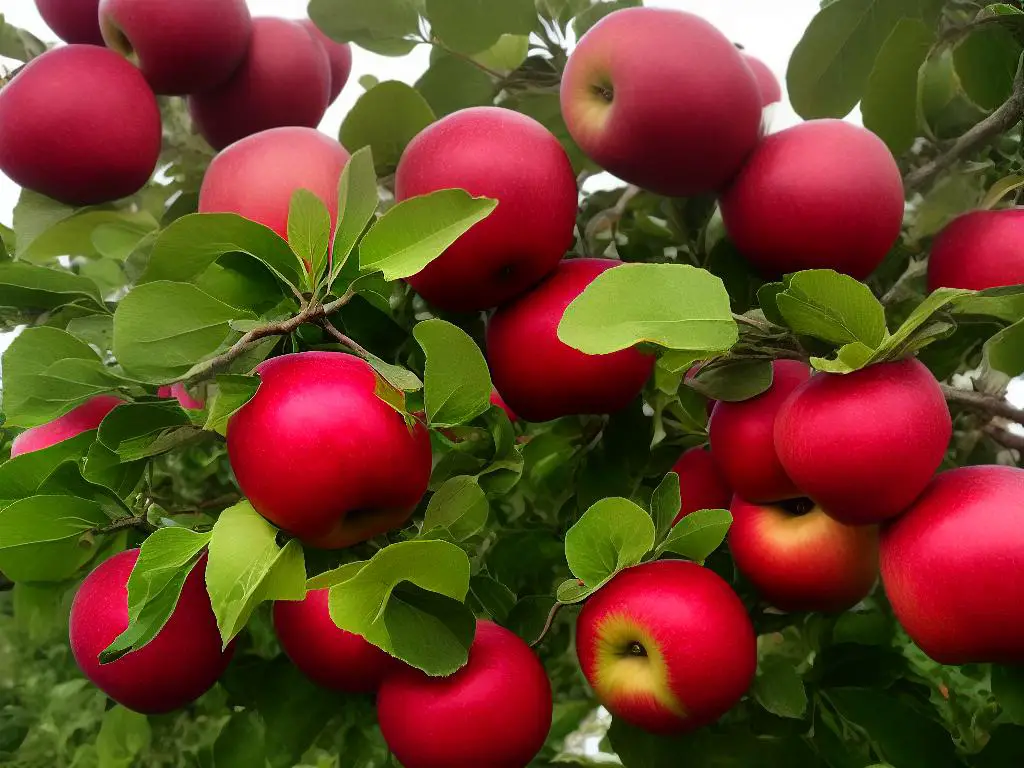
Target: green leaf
[247,566]
[386,118]
[124,735]
[165,561]
[23,475]
[398,377]
[67,480]
[896,345]
[471,26]
[418,230]
[103,466]
[673,305]
[457,384]
[162,329]
[850,357]
[139,430]
[408,600]
[588,18]
[186,248]
[833,307]
[453,83]
[309,230]
[1005,303]
[986,62]
[779,688]
[889,107]
[613,534]
[458,509]
[335,576]
[357,202]
[18,44]
[733,382]
[27,286]
[505,55]
[494,598]
[232,391]
[665,505]
[360,20]
[241,742]
[1008,688]
[698,534]
[41,537]
[1005,351]
[830,66]
[97,330]
[1002,187]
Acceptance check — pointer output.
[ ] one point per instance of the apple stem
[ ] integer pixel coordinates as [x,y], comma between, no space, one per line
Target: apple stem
[552,615]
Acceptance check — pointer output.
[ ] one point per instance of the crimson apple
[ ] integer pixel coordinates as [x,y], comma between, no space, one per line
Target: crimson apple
[498,400]
[979,250]
[667,646]
[321,456]
[501,154]
[339,54]
[865,444]
[182,47]
[73,21]
[179,393]
[79,124]
[176,667]
[701,485]
[495,711]
[800,559]
[284,79]
[663,100]
[953,566]
[257,176]
[80,419]
[540,377]
[825,194]
[742,437]
[325,653]
[768,84]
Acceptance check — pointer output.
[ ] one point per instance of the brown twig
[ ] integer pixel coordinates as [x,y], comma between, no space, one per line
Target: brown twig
[136,521]
[552,615]
[996,407]
[343,339]
[1006,438]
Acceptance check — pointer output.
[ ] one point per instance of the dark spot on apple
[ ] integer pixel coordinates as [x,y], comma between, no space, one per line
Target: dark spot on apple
[636,649]
[605,91]
[797,507]
[505,271]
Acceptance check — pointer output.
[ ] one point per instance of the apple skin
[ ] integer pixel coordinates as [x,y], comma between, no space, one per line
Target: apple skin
[807,562]
[979,250]
[73,21]
[742,437]
[767,83]
[178,666]
[325,653]
[179,393]
[339,55]
[494,712]
[498,400]
[663,100]
[257,176]
[824,194]
[701,651]
[953,566]
[114,153]
[501,154]
[284,79]
[701,485]
[865,444]
[80,419]
[321,456]
[541,378]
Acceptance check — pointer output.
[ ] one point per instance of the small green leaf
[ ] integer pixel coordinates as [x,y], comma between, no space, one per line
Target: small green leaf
[356,20]
[247,566]
[165,561]
[336,576]
[850,357]
[18,44]
[1008,688]
[418,230]
[779,688]
[453,83]
[457,384]
[505,55]
[895,345]
[232,391]
[23,475]
[588,18]
[1004,352]
[833,307]
[1005,303]
[41,537]
[495,598]
[139,430]
[459,509]
[665,505]
[124,735]
[698,534]
[471,26]
[613,534]
[357,202]
[573,591]
[673,305]
[309,230]
[733,382]
[27,286]
[386,118]
[398,377]
[1001,188]
[241,743]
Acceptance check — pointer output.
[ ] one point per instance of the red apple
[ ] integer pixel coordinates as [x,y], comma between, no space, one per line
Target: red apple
[325,653]
[865,444]
[81,419]
[80,125]
[182,47]
[321,456]
[701,485]
[501,154]
[667,646]
[979,250]
[742,438]
[771,91]
[284,79]
[540,377]
[825,194]
[179,393]
[73,21]
[663,100]
[257,176]
[498,400]
[178,666]
[953,566]
[800,559]
[339,54]
[494,712]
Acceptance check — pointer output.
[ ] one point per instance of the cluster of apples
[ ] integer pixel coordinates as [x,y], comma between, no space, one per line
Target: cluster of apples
[81,123]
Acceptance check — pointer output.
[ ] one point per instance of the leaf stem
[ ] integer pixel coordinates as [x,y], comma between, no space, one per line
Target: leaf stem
[343,339]
[552,615]
[452,52]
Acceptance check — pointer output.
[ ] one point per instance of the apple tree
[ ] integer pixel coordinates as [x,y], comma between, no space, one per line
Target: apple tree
[421,447]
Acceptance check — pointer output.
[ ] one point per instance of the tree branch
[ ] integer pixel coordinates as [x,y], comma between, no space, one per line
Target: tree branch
[999,122]
[343,339]
[982,403]
[1006,438]
[548,624]
[136,521]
